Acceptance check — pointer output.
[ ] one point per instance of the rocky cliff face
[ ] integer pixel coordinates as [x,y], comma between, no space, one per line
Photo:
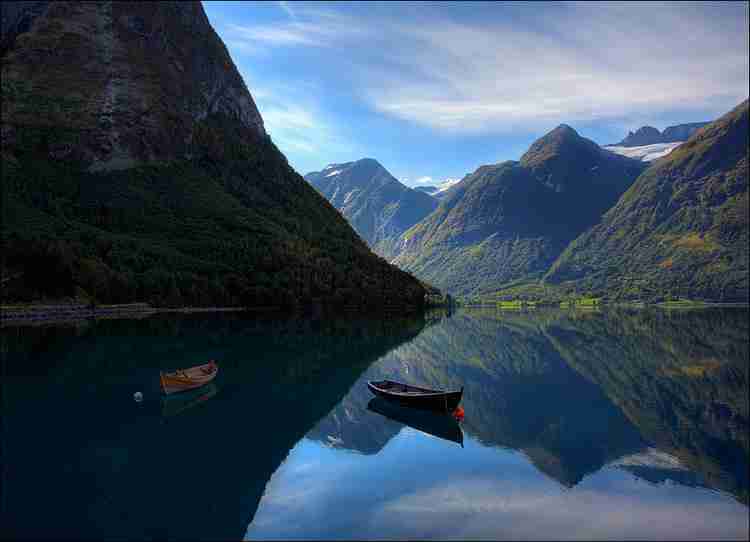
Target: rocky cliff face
[645,135]
[648,135]
[136,168]
[128,81]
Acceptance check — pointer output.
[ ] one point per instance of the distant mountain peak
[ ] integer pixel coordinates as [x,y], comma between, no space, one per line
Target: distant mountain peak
[648,135]
[564,129]
[375,203]
[562,139]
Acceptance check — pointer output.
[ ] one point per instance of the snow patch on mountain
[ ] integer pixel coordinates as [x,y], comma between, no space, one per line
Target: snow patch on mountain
[645,153]
[446,184]
[333,173]
[436,188]
[349,196]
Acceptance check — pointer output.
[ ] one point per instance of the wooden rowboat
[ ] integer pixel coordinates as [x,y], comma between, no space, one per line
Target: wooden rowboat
[188,379]
[416,397]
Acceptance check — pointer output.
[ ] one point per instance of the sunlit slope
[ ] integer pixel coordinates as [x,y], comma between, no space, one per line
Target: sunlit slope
[511,220]
[681,229]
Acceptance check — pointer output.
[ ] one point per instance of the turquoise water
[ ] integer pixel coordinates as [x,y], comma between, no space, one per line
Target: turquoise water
[614,425]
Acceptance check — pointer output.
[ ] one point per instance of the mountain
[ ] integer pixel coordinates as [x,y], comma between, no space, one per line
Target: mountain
[136,166]
[378,207]
[511,220]
[645,135]
[681,229]
[648,135]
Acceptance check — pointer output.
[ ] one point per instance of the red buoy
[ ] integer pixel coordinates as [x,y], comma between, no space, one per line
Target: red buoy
[459,413]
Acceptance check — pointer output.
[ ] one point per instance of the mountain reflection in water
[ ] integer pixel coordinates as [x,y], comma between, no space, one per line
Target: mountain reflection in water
[639,420]
[578,425]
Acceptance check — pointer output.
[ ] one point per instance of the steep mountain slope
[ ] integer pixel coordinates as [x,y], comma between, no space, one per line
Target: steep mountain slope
[681,132]
[681,229]
[136,167]
[648,135]
[378,206]
[510,221]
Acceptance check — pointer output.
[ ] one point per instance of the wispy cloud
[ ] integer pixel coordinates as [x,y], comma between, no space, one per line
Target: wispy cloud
[307,27]
[586,62]
[296,124]
[573,62]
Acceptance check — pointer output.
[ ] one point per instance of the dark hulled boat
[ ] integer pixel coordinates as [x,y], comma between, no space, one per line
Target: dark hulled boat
[434,423]
[416,397]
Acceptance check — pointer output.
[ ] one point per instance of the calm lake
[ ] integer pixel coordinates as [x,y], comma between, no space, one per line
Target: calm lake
[621,424]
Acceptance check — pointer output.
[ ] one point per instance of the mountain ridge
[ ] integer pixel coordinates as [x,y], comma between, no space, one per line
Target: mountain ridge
[506,221]
[376,204]
[648,135]
[681,229]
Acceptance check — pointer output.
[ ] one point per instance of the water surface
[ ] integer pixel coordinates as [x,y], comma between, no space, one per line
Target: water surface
[616,424]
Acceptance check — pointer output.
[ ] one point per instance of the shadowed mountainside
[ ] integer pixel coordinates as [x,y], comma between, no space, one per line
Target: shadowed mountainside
[136,168]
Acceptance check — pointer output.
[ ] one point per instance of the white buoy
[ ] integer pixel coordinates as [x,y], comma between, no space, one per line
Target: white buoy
[138,396]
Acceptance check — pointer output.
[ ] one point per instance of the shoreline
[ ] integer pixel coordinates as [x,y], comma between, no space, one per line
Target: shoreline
[13,314]
[75,312]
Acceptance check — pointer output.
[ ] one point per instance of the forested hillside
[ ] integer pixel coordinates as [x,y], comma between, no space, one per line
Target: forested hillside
[136,168]
[509,221]
[681,229]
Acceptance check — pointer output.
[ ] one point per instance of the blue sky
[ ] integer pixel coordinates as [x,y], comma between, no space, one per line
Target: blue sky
[434,90]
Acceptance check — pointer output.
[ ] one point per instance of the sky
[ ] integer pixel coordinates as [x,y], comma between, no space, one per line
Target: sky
[435,90]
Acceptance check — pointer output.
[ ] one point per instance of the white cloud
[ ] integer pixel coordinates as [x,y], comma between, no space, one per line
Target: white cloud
[442,185]
[296,124]
[568,62]
[590,62]
[309,28]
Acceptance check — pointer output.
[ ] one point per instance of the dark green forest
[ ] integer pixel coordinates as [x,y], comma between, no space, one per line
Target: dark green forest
[234,226]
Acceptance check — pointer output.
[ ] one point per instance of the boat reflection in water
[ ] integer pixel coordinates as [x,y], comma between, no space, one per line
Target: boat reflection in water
[172,405]
[440,425]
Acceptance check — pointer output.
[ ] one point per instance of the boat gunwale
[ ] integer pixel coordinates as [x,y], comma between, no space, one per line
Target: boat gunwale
[418,393]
